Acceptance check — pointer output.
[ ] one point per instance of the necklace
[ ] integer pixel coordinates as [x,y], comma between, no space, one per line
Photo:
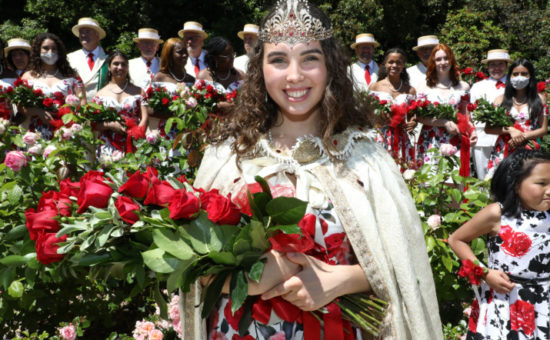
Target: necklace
[121,90]
[47,75]
[179,80]
[443,86]
[393,89]
[225,78]
[519,102]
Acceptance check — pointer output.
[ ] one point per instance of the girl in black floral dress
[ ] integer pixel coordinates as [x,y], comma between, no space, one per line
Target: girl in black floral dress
[515,300]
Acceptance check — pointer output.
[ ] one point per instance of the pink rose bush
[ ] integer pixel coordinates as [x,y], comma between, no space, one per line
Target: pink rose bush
[67,332]
[15,160]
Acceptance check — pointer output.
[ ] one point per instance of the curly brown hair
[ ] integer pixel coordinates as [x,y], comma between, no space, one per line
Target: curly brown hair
[431,72]
[62,63]
[255,113]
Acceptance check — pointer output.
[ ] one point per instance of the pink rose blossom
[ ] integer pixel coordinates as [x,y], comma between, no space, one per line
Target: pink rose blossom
[117,156]
[68,332]
[155,334]
[15,160]
[434,221]
[72,100]
[35,150]
[67,133]
[152,137]
[76,128]
[48,150]
[191,102]
[30,138]
[447,150]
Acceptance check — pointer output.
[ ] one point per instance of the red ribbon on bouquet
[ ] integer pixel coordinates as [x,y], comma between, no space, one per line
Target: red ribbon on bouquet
[399,112]
[133,131]
[506,139]
[465,129]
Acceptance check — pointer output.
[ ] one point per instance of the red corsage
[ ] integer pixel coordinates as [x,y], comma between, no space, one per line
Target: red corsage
[472,271]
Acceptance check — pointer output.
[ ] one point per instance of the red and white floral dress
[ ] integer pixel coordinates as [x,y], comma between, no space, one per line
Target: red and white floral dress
[129,108]
[6,111]
[521,250]
[501,148]
[58,92]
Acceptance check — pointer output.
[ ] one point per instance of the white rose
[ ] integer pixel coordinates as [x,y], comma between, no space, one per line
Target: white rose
[35,150]
[76,128]
[434,221]
[447,150]
[409,174]
[30,138]
[48,150]
[116,156]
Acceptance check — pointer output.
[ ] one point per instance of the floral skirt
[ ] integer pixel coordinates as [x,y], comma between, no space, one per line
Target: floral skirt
[398,145]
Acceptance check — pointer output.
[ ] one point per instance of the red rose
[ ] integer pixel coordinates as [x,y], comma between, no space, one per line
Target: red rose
[182,179]
[175,97]
[59,96]
[183,205]
[41,221]
[468,70]
[465,97]
[137,185]
[69,188]
[38,92]
[522,316]
[295,242]
[241,199]
[209,88]
[208,95]
[480,75]
[541,86]
[383,102]
[18,82]
[160,192]
[158,89]
[466,269]
[93,191]
[471,107]
[46,248]
[424,103]
[47,102]
[53,200]
[165,101]
[126,209]
[412,106]
[220,209]
[9,90]
[149,91]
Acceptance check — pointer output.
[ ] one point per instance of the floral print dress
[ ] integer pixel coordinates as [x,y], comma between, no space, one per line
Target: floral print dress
[6,111]
[522,250]
[58,92]
[501,148]
[129,108]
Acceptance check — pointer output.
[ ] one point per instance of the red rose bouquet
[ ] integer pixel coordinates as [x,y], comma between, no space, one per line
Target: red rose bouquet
[25,95]
[159,99]
[97,112]
[491,115]
[472,271]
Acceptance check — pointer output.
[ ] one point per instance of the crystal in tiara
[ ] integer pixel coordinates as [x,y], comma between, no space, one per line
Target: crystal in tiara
[292,24]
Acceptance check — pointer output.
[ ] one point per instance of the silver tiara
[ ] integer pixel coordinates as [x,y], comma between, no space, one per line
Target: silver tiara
[292,24]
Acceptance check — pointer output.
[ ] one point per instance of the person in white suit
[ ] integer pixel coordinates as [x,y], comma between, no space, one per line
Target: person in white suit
[365,70]
[193,35]
[249,35]
[89,61]
[143,68]
[489,89]
[423,49]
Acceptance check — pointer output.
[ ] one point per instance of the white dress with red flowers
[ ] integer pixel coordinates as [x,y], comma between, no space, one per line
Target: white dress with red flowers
[401,147]
[58,92]
[501,148]
[5,105]
[433,136]
[129,108]
[521,250]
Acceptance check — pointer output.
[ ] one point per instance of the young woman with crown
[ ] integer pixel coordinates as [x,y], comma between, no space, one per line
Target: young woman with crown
[297,125]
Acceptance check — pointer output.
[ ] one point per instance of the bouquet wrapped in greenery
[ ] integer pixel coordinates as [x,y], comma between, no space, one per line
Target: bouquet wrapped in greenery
[491,115]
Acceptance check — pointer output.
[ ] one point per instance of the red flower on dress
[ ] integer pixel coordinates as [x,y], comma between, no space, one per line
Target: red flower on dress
[474,317]
[522,316]
[515,244]
[233,319]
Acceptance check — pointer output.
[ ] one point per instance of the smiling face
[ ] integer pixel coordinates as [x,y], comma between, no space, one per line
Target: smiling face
[179,56]
[497,68]
[119,67]
[534,191]
[442,64]
[295,78]
[394,63]
[364,52]
[148,48]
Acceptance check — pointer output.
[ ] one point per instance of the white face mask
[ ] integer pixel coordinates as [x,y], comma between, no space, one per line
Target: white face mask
[49,58]
[519,82]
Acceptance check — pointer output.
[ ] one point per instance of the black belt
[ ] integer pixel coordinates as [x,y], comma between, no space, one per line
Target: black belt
[528,282]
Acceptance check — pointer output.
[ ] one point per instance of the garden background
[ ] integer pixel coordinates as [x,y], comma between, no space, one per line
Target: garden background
[104,298]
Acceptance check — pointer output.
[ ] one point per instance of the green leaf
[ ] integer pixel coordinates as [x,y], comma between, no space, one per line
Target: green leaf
[239,290]
[246,318]
[213,293]
[68,228]
[16,289]
[447,262]
[15,194]
[93,259]
[172,243]
[265,186]
[241,246]
[258,236]
[16,233]
[287,229]
[175,280]
[203,235]
[286,210]
[256,271]
[256,206]
[14,260]
[159,261]
[161,303]
[430,243]
[224,257]
[103,236]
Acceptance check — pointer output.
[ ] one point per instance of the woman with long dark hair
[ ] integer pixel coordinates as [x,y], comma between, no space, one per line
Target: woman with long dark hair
[297,124]
[219,69]
[49,72]
[393,87]
[126,98]
[526,107]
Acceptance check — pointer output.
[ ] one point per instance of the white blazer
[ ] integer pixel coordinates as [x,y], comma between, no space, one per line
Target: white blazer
[79,61]
[358,74]
[139,74]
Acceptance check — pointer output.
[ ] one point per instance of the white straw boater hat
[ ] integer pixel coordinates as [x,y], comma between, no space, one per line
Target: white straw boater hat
[365,38]
[497,55]
[425,41]
[192,26]
[148,34]
[249,28]
[90,23]
[17,43]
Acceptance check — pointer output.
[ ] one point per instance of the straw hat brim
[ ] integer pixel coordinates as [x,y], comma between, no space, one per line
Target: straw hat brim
[100,30]
[375,43]
[160,41]
[485,61]
[10,48]
[416,48]
[241,34]
[182,31]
